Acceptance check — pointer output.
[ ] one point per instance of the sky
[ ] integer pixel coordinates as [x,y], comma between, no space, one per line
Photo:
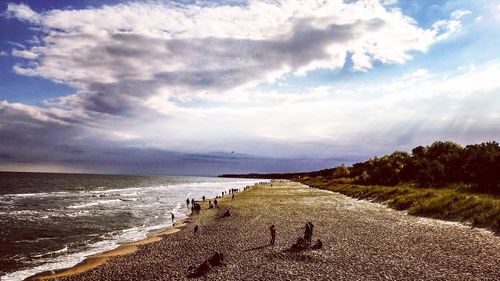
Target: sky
[199,87]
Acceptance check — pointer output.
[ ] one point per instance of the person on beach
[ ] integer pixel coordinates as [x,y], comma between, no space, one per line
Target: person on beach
[172,217]
[187,202]
[232,198]
[226,214]
[215,202]
[203,198]
[192,201]
[272,231]
[307,232]
[311,228]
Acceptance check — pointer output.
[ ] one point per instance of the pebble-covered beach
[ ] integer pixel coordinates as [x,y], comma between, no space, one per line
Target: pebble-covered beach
[361,241]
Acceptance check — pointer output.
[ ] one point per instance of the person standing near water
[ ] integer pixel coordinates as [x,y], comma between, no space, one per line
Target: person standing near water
[187,202]
[172,217]
[272,231]
[232,198]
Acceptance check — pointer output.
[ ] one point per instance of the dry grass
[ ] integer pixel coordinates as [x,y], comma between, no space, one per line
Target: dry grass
[478,210]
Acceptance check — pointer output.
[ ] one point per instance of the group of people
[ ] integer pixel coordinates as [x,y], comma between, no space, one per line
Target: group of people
[230,191]
[217,259]
[195,207]
[302,242]
[210,205]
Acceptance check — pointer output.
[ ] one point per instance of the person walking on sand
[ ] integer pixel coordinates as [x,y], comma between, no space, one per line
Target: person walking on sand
[272,231]
[215,202]
[187,202]
[232,198]
[172,217]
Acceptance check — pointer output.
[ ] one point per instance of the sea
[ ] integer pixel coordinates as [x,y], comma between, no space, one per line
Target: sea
[52,221]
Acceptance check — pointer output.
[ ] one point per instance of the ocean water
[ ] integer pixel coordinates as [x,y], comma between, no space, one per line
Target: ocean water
[53,221]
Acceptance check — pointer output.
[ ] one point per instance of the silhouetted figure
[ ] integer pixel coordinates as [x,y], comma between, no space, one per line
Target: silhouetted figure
[172,217]
[196,229]
[226,214]
[187,202]
[318,245]
[272,231]
[232,198]
[216,259]
[301,244]
[215,202]
[192,201]
[209,202]
[210,206]
[307,232]
[311,228]
[197,208]
[203,198]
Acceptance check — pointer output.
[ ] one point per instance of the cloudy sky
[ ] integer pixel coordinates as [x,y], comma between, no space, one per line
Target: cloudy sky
[207,87]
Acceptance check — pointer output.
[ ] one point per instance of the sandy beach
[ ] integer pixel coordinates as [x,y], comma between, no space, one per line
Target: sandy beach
[361,241]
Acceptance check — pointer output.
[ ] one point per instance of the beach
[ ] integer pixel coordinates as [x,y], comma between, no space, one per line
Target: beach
[361,241]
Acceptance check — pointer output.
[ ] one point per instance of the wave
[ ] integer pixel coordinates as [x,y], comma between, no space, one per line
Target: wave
[96,203]
[117,190]
[51,253]
[37,194]
[142,201]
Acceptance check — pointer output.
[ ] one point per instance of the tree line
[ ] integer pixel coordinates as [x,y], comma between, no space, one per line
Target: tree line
[440,164]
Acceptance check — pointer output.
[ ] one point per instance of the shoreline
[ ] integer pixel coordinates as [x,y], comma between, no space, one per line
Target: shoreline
[96,260]
[93,261]
[361,241]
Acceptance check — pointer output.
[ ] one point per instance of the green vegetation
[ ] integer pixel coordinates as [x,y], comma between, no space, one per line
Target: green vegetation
[480,210]
[443,180]
[474,167]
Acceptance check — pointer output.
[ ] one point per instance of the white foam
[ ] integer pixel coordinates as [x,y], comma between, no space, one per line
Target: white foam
[39,194]
[63,250]
[90,204]
[138,199]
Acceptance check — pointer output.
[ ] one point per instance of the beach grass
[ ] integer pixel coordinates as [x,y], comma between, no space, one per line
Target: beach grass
[452,204]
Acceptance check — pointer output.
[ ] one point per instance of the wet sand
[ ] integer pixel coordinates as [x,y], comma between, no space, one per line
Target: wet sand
[361,241]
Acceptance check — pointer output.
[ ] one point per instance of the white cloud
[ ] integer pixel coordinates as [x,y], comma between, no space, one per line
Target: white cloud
[457,14]
[192,48]
[24,54]
[22,12]
[183,77]
[390,2]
